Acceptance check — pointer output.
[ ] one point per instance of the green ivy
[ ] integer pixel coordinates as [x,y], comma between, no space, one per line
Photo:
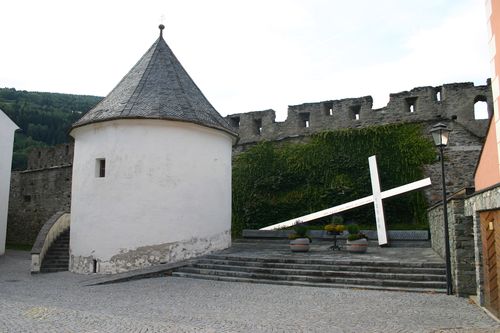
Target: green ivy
[276,182]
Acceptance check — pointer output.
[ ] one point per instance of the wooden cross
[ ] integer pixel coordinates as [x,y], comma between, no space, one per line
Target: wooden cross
[376,197]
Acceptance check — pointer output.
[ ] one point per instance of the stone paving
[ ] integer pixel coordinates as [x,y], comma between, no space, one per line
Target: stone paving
[59,302]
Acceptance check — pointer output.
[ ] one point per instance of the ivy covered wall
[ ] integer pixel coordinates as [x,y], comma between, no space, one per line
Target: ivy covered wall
[276,182]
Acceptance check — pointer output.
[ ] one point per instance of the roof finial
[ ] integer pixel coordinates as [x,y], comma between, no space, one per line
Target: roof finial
[161,26]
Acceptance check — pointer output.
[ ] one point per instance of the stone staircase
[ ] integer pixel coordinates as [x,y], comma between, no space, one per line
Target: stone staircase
[360,274]
[57,257]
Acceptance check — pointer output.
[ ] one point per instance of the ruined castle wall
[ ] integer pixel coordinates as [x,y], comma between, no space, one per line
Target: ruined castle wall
[39,192]
[456,102]
[452,104]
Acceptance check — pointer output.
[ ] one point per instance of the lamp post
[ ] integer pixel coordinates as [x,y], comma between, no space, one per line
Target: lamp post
[440,133]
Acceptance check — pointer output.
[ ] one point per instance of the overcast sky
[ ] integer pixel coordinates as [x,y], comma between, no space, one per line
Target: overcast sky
[248,55]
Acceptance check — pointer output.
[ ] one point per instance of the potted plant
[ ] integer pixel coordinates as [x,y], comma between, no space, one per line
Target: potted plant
[335,227]
[357,242]
[299,240]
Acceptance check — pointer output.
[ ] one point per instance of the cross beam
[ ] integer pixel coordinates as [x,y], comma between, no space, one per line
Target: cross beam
[376,198]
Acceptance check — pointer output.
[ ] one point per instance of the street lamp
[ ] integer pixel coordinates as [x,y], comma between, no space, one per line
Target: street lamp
[440,135]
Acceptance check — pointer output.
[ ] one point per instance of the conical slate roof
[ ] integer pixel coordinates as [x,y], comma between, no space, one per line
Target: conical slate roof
[157,87]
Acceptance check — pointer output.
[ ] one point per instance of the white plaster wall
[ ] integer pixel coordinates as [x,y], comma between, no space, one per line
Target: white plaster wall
[7,129]
[166,182]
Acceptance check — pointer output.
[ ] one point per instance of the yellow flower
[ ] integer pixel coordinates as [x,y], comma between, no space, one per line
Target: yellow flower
[334,227]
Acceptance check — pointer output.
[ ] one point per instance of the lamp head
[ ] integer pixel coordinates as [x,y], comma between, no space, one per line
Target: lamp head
[440,133]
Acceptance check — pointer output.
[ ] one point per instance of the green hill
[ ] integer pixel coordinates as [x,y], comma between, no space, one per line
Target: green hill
[44,118]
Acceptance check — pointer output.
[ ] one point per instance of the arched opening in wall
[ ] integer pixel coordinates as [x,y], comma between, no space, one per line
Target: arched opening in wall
[354,112]
[411,104]
[257,123]
[481,108]
[304,119]
[438,94]
[328,108]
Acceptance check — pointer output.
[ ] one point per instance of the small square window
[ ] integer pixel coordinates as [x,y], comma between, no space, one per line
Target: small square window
[100,168]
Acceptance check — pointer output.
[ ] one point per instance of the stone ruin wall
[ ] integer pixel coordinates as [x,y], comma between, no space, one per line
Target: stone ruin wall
[38,192]
[45,187]
[456,103]
[452,104]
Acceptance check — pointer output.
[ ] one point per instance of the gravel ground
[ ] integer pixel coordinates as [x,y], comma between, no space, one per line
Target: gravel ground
[59,302]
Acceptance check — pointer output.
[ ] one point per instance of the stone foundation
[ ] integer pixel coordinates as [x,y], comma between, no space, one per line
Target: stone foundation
[484,200]
[465,237]
[461,243]
[146,256]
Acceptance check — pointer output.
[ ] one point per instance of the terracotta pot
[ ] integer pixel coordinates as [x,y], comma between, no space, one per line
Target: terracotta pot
[299,245]
[357,246]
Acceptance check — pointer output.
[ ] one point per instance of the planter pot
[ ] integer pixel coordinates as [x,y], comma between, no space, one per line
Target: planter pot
[357,246]
[299,245]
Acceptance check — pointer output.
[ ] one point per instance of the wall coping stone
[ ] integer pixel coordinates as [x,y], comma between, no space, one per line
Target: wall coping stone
[463,193]
[407,235]
[481,191]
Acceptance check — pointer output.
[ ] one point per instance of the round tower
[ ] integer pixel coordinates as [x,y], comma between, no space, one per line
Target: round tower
[151,172]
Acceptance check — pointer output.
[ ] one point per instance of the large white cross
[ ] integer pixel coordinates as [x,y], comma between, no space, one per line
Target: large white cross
[376,198]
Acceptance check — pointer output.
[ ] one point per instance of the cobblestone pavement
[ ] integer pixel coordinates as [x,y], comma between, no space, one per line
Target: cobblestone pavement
[59,302]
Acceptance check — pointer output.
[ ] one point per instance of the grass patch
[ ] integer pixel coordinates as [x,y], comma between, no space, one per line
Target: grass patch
[19,247]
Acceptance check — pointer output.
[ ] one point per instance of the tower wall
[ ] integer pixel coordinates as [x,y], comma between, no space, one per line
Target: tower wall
[7,129]
[164,196]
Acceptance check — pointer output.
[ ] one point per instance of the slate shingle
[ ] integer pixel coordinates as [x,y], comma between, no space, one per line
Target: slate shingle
[157,87]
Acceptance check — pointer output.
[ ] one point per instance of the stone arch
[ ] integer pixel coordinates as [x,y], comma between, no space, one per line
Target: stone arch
[481,109]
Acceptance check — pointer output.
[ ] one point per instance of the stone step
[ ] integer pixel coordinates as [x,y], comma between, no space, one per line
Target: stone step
[307,284]
[312,261]
[379,269]
[56,266]
[56,256]
[53,269]
[51,261]
[59,246]
[323,273]
[56,263]
[58,250]
[316,279]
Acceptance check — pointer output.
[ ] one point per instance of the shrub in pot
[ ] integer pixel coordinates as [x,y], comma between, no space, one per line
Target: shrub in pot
[299,240]
[357,242]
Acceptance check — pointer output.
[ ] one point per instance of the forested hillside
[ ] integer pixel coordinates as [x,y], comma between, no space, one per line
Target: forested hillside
[44,118]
